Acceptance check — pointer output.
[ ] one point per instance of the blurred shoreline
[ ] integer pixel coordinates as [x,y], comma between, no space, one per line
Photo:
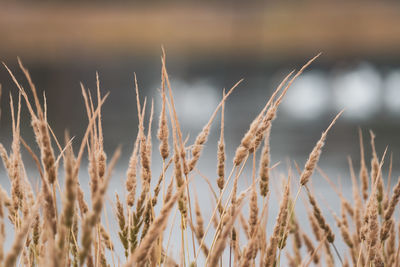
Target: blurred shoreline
[277,31]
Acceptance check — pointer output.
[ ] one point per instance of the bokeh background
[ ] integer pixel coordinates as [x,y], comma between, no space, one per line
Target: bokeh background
[210,45]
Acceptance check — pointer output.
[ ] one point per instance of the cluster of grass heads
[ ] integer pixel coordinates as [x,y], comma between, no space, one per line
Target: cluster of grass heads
[61,225]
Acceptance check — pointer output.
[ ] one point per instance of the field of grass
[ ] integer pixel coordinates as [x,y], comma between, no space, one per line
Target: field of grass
[58,223]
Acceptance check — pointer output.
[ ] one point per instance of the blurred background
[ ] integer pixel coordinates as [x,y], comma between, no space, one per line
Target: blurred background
[210,45]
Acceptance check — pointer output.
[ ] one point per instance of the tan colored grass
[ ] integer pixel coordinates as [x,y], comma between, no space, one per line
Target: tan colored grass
[363,168]
[315,154]
[220,244]
[70,231]
[156,229]
[264,165]
[330,236]
[2,229]
[163,131]
[279,229]
[12,256]
[123,227]
[221,150]
[93,217]
[388,214]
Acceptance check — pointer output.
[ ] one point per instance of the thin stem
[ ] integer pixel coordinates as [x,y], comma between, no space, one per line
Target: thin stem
[163,181]
[170,232]
[212,216]
[183,241]
[239,172]
[337,253]
[190,213]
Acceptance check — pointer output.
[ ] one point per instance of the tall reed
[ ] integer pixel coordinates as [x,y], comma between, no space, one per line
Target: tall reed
[60,224]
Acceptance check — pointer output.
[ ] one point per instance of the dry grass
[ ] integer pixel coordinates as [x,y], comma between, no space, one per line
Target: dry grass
[56,226]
